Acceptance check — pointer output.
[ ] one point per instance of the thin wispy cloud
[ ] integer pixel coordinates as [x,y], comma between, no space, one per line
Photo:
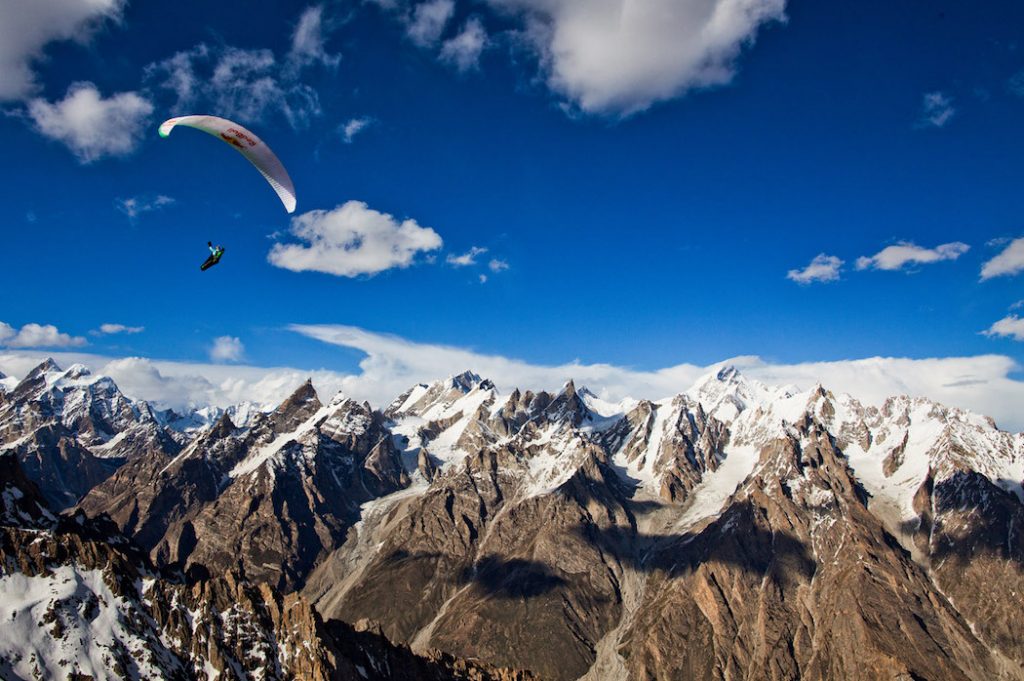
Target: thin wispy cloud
[496,265]
[1015,84]
[351,240]
[464,50]
[823,268]
[90,125]
[1008,262]
[937,110]
[112,329]
[427,21]
[906,253]
[135,206]
[466,259]
[309,41]
[249,85]
[353,127]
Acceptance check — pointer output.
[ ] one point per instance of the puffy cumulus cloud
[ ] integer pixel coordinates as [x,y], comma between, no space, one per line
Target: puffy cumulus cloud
[427,22]
[936,110]
[1010,326]
[907,253]
[111,329]
[135,206]
[620,56]
[497,265]
[466,259]
[353,127]
[245,84]
[91,126]
[309,39]
[463,51]
[27,27]
[226,349]
[37,336]
[351,240]
[1010,261]
[822,268]
[392,364]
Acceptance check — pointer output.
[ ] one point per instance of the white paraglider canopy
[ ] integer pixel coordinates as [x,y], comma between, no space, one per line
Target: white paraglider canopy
[248,145]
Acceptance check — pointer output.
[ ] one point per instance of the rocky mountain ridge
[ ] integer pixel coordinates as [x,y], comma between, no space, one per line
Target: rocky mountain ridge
[793,533]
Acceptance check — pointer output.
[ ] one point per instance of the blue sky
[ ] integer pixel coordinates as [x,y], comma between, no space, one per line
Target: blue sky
[647,201]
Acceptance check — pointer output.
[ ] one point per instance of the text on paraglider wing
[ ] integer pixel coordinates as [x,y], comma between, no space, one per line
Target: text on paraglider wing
[242,136]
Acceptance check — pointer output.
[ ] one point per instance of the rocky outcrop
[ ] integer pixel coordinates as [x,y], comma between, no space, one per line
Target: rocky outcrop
[267,500]
[80,601]
[796,579]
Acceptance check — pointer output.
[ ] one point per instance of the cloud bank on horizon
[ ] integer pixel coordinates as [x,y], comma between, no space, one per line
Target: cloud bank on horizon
[392,364]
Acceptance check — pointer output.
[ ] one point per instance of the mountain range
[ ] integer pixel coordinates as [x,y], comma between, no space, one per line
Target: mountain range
[735,530]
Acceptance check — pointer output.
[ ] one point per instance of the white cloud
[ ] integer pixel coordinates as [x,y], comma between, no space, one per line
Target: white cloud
[352,239]
[1009,262]
[111,329]
[245,84]
[621,56]
[37,336]
[467,258]
[1010,326]
[936,110]
[483,278]
[91,126]
[497,265]
[428,20]
[353,127]
[904,253]
[135,206]
[226,349]
[394,364]
[821,268]
[308,41]
[180,385]
[27,27]
[463,51]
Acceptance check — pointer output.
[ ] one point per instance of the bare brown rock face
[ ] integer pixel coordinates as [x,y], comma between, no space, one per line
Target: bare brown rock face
[796,579]
[976,553]
[732,531]
[267,500]
[62,576]
[470,571]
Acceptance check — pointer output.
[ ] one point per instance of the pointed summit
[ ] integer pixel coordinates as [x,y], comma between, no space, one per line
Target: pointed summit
[465,381]
[302,404]
[728,373]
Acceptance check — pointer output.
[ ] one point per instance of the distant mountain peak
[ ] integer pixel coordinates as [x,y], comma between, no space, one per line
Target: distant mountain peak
[465,381]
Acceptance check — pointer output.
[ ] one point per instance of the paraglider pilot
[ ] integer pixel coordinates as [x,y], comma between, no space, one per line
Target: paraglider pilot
[215,255]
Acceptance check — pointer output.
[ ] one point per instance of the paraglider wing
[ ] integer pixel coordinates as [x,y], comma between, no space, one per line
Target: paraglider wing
[248,145]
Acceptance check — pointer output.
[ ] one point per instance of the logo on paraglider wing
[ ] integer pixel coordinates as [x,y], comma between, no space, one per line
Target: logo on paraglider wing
[231,140]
